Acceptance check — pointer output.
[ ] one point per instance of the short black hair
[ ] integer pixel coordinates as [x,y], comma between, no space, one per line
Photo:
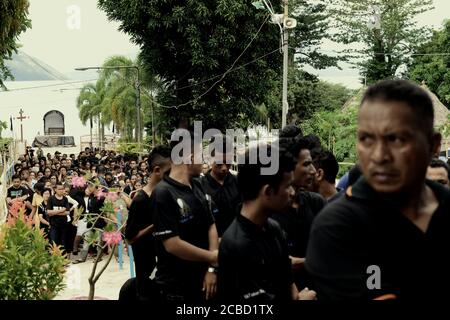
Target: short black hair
[39,186]
[296,145]
[14,177]
[250,179]
[437,163]
[158,156]
[291,131]
[326,161]
[47,189]
[404,91]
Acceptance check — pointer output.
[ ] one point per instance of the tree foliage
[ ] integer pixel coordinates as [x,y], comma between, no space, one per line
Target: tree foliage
[13,21]
[385,48]
[432,66]
[191,44]
[337,131]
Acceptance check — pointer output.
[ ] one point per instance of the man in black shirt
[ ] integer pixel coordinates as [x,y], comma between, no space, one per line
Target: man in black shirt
[297,219]
[327,169]
[222,186]
[389,234]
[185,233]
[139,223]
[253,256]
[58,211]
[16,191]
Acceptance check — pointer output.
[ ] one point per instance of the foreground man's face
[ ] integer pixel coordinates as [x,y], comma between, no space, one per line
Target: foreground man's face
[393,148]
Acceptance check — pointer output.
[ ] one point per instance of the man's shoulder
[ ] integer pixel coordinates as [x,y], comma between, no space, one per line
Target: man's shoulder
[342,211]
[234,237]
[312,197]
[162,187]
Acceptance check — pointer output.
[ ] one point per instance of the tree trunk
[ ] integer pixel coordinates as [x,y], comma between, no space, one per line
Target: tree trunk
[98,131]
[103,136]
[93,277]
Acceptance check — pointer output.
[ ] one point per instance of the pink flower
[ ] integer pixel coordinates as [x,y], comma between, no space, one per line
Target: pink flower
[101,194]
[78,182]
[112,196]
[112,238]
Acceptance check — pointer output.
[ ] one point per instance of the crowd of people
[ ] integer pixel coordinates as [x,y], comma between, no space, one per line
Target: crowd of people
[44,184]
[294,235]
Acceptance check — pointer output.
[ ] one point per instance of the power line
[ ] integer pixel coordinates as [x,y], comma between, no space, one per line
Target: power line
[226,72]
[48,86]
[380,53]
[219,75]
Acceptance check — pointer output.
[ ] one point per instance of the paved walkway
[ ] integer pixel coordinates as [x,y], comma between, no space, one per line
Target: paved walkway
[108,286]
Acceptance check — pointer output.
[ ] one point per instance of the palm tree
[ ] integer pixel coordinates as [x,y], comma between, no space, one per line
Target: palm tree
[89,104]
[112,100]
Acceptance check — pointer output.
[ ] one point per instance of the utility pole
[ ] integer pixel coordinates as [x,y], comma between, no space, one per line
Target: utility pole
[288,23]
[138,107]
[153,124]
[285,105]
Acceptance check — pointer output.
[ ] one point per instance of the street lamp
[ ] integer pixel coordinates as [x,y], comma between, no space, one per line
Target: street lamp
[285,23]
[138,90]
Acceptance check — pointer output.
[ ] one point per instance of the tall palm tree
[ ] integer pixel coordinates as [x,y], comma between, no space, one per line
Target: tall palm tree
[89,104]
[112,100]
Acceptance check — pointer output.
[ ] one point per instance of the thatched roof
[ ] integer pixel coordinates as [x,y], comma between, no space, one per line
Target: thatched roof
[441,113]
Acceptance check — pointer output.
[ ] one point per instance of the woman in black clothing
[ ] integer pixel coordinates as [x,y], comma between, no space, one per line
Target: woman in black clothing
[42,211]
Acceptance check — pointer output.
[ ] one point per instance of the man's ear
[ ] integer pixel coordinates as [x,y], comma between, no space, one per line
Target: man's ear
[436,144]
[157,170]
[319,174]
[267,191]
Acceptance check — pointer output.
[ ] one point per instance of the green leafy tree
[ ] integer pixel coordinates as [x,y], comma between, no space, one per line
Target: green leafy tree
[387,43]
[337,131]
[306,95]
[89,103]
[313,22]
[13,21]
[432,65]
[191,44]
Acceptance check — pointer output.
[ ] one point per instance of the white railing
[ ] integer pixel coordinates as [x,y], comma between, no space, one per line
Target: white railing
[7,159]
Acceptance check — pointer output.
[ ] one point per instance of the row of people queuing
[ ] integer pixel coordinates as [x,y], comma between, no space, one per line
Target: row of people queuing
[44,185]
[382,233]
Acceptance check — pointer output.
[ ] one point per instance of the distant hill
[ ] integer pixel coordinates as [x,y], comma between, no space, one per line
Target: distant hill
[26,68]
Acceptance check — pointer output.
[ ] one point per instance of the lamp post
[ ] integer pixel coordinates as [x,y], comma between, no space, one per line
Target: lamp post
[285,23]
[138,91]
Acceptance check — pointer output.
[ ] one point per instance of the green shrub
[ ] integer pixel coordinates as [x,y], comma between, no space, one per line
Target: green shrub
[30,269]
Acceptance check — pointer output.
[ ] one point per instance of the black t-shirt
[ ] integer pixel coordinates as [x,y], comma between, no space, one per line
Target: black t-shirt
[42,209]
[180,211]
[254,264]
[14,193]
[57,204]
[362,230]
[297,222]
[226,198]
[140,217]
